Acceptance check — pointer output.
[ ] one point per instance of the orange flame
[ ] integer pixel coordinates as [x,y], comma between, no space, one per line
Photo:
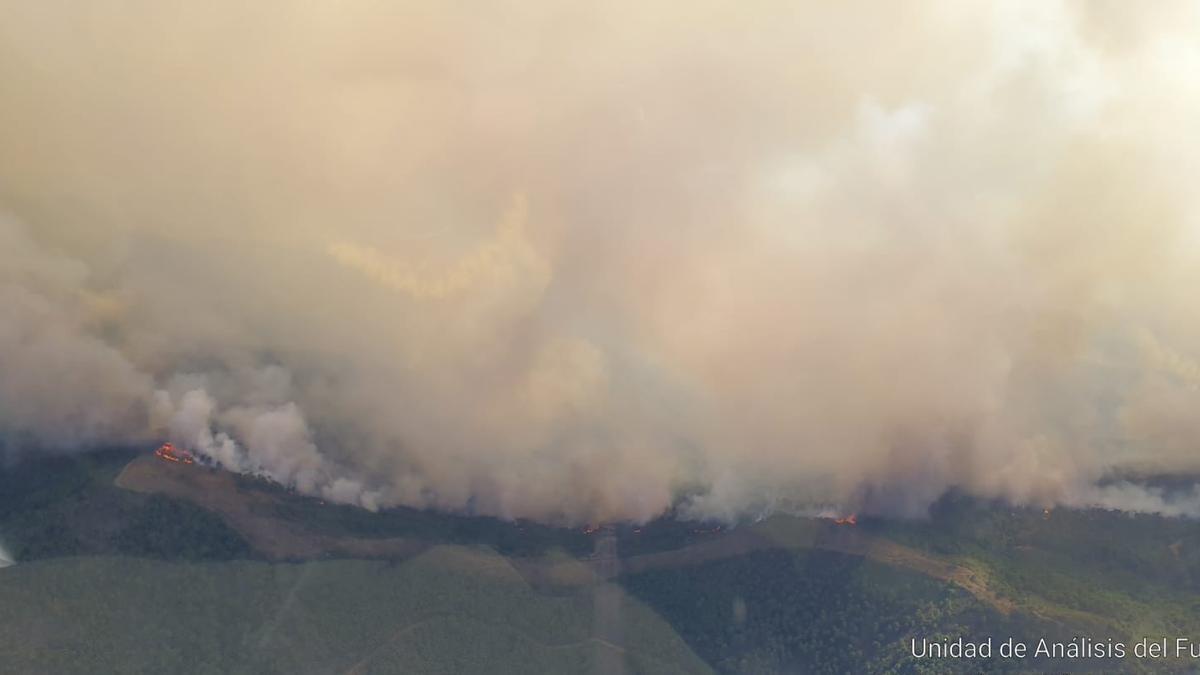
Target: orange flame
[171,453]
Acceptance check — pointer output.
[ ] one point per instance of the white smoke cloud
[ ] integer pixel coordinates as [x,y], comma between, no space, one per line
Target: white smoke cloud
[587,263]
[61,384]
[1136,498]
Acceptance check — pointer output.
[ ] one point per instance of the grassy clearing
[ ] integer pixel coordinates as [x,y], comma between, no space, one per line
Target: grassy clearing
[451,609]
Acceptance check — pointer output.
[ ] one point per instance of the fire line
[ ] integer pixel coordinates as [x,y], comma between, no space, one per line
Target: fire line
[170,453]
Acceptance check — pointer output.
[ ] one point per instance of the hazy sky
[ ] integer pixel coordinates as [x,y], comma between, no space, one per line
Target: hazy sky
[583,261]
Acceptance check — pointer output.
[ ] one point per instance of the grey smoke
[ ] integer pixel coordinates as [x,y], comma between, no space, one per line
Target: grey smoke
[584,263]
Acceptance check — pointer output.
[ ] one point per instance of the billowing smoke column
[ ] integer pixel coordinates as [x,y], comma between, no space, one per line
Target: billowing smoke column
[585,263]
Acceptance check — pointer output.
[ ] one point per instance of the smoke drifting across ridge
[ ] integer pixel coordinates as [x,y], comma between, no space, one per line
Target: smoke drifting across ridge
[580,263]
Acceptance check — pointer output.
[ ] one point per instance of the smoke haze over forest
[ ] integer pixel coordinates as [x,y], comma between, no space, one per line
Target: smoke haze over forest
[581,263]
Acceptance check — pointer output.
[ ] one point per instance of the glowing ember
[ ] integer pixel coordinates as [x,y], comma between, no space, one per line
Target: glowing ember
[851,519]
[171,453]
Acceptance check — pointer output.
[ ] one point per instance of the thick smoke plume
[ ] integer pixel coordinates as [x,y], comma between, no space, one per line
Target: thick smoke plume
[578,263]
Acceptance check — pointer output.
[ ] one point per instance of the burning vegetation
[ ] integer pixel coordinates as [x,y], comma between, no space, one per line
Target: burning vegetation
[170,453]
